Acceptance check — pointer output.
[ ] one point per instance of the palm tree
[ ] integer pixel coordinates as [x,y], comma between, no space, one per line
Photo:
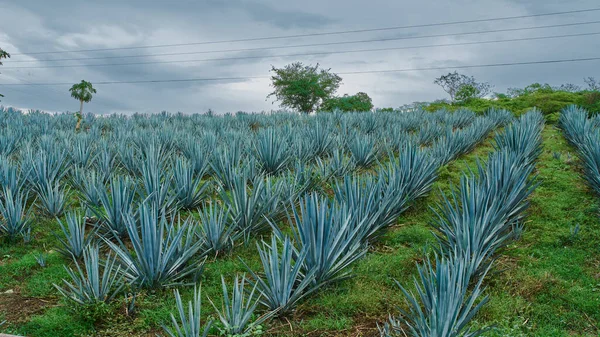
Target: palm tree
[83,92]
[3,55]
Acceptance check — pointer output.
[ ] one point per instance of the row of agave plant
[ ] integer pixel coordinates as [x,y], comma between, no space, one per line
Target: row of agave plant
[474,222]
[583,133]
[138,238]
[119,161]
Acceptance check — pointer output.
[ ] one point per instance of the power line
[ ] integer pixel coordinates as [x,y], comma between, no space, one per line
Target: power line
[340,73]
[319,34]
[326,43]
[316,53]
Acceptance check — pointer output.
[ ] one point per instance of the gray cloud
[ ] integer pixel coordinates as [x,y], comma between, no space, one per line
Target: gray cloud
[36,25]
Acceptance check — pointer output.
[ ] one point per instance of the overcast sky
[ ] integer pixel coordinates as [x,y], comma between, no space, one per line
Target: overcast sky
[29,26]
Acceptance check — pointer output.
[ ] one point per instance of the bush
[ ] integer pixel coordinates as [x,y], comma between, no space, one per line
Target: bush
[591,101]
[549,101]
[346,103]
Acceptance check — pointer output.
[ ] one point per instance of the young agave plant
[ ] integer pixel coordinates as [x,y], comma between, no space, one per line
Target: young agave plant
[225,165]
[81,150]
[250,209]
[41,259]
[272,151]
[589,151]
[189,187]
[283,284]
[217,233]
[328,236]
[478,218]
[98,281]
[188,325]
[15,216]
[46,167]
[364,151]
[9,141]
[74,241]
[116,205]
[444,303]
[161,249]
[89,183]
[53,198]
[105,162]
[337,164]
[236,311]
[156,180]
[10,175]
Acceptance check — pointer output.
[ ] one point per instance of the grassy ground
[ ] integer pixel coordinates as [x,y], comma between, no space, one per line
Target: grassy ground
[544,285]
[548,282]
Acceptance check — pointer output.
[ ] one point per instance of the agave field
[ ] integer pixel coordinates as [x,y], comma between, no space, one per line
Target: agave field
[196,225]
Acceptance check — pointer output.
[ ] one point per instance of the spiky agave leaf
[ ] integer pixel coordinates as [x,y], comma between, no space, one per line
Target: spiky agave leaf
[337,165]
[189,187]
[364,150]
[156,179]
[116,204]
[250,209]
[73,240]
[53,198]
[362,197]
[216,231]
[10,174]
[446,300]
[190,324]
[236,311]
[98,281]
[329,237]
[81,150]
[161,249]
[46,168]
[271,151]
[89,183]
[225,164]
[282,284]
[589,151]
[105,161]
[16,218]
[9,141]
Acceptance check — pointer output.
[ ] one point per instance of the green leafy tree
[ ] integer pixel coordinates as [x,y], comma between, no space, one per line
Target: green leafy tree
[359,102]
[466,92]
[303,88]
[3,55]
[82,92]
[453,83]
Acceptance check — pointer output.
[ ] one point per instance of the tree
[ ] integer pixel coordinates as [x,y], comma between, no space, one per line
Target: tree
[359,102]
[83,92]
[454,82]
[593,85]
[568,87]
[466,92]
[303,88]
[3,55]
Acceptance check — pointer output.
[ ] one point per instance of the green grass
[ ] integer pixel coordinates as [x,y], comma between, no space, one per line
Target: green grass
[546,284]
[549,283]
